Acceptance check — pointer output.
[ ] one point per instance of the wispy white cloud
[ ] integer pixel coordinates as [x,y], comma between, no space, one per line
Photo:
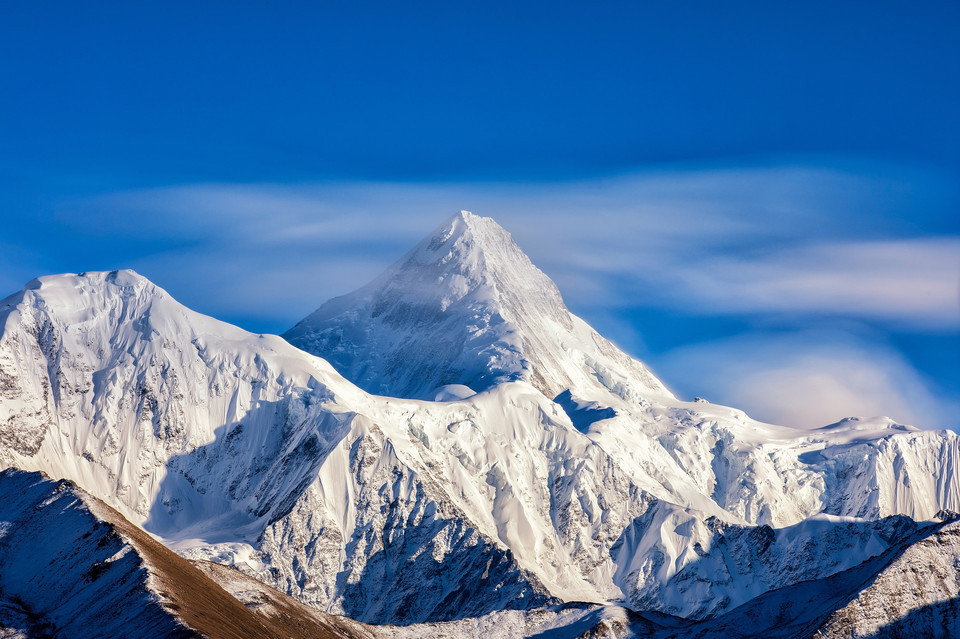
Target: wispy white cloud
[705,240]
[810,378]
[915,282]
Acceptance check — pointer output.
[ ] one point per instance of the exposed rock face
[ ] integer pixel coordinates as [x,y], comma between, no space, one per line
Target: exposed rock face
[917,594]
[881,597]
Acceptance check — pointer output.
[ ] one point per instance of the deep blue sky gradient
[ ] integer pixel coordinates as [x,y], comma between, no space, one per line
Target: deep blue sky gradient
[110,112]
[286,91]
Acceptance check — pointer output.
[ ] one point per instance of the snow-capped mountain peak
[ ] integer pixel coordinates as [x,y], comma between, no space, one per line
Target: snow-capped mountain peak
[573,475]
[473,258]
[467,306]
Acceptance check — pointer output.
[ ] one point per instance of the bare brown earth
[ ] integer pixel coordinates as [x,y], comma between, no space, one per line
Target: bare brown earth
[292,617]
[210,611]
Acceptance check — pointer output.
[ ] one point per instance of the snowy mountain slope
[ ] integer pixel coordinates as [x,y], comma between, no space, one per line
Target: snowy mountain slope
[219,440]
[505,462]
[105,379]
[909,590]
[916,594]
[75,568]
[771,475]
[466,306]
[675,562]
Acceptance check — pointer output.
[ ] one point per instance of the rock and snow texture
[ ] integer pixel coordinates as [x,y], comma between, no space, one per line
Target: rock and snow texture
[66,573]
[715,567]
[912,589]
[216,439]
[909,590]
[916,594]
[572,621]
[71,566]
[284,614]
[243,449]
[466,306]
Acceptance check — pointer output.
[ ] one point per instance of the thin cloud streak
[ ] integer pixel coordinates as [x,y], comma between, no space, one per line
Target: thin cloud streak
[679,238]
[810,378]
[910,281]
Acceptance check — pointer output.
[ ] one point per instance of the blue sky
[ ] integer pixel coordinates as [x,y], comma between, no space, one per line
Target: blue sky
[759,199]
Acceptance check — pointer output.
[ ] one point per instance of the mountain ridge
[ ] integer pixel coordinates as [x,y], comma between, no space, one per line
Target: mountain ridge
[243,449]
[111,579]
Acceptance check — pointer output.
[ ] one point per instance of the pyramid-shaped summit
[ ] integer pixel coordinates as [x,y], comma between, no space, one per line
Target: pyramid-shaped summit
[466,306]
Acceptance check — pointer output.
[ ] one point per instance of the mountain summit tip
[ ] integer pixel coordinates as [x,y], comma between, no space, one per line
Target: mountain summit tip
[466,306]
